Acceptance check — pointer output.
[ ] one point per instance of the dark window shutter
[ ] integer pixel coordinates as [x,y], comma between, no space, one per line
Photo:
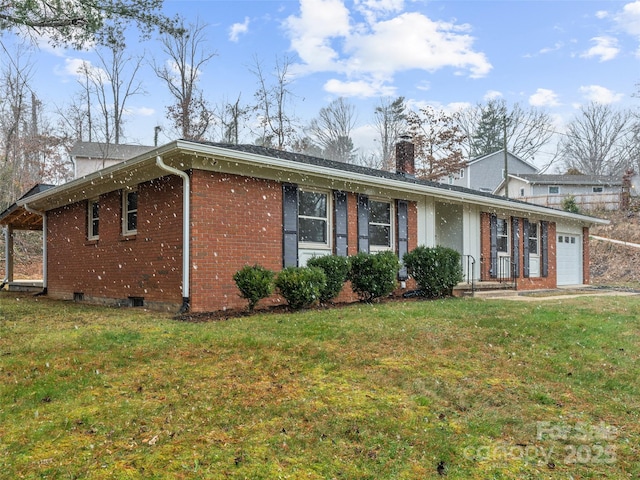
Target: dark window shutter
[544,248]
[289,225]
[493,241]
[515,246]
[403,235]
[363,223]
[340,206]
[525,253]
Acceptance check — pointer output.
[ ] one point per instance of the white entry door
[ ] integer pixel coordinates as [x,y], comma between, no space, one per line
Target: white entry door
[569,258]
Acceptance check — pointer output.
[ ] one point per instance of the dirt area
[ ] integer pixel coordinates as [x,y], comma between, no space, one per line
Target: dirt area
[613,264]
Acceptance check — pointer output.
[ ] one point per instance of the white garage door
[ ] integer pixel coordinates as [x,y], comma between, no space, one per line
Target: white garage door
[569,258]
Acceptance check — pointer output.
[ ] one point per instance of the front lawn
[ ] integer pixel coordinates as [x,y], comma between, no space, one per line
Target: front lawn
[464,388]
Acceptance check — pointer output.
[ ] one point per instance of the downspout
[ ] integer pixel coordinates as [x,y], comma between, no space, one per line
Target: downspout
[44,247]
[185,230]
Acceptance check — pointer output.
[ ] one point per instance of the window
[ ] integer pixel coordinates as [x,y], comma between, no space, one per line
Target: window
[93,223]
[522,192]
[553,190]
[130,212]
[313,217]
[462,173]
[380,225]
[533,239]
[597,190]
[450,180]
[502,235]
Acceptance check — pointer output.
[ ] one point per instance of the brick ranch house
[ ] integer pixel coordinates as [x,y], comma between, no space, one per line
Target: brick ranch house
[169,227]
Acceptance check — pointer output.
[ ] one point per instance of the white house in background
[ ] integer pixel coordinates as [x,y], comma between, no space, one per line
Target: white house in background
[89,157]
[487,172]
[591,192]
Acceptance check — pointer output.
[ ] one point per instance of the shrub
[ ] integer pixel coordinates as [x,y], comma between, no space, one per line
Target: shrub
[373,275]
[436,270]
[301,286]
[336,270]
[569,204]
[255,283]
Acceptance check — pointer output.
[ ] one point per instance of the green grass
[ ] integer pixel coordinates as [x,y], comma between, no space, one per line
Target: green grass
[492,389]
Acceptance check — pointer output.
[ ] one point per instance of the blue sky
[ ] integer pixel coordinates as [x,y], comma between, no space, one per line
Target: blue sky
[555,55]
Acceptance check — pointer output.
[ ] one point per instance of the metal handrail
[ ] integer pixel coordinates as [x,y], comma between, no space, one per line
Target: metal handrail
[470,262]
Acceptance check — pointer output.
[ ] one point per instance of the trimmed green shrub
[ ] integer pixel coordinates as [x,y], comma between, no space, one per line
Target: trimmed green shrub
[300,286]
[336,270]
[436,270]
[255,283]
[373,275]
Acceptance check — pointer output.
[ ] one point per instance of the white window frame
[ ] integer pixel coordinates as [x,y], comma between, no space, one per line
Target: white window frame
[382,248]
[554,187]
[462,173]
[328,220]
[534,227]
[126,211]
[91,219]
[506,234]
[522,192]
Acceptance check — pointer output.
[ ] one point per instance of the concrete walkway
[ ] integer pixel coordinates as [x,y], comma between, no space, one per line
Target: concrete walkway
[558,295]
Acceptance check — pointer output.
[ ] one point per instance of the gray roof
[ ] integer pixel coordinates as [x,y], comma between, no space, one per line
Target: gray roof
[348,167]
[541,179]
[107,151]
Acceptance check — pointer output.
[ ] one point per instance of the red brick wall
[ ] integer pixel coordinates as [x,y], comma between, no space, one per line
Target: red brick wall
[236,221]
[114,267]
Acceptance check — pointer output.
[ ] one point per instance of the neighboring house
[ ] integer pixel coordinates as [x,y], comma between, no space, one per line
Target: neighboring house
[87,157]
[591,192]
[487,172]
[170,227]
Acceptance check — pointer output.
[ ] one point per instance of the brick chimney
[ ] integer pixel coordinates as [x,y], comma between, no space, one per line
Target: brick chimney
[405,160]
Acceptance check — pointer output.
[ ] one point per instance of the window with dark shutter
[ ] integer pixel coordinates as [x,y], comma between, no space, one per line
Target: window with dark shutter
[525,253]
[290,225]
[363,223]
[515,246]
[341,223]
[544,250]
[493,242]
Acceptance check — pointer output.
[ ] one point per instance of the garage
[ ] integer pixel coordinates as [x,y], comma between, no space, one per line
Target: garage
[569,258]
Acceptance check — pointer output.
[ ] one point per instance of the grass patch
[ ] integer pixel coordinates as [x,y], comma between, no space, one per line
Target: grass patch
[481,389]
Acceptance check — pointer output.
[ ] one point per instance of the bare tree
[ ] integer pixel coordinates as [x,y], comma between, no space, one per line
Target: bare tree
[438,143]
[601,141]
[277,125]
[390,120]
[187,55]
[331,130]
[230,117]
[29,151]
[527,131]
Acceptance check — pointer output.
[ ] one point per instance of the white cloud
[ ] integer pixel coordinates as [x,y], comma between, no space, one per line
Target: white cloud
[77,68]
[492,95]
[602,14]
[598,94]
[544,98]
[238,29]
[140,111]
[629,18]
[359,88]
[327,37]
[605,48]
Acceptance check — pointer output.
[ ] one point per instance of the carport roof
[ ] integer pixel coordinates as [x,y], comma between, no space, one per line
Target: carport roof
[19,217]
